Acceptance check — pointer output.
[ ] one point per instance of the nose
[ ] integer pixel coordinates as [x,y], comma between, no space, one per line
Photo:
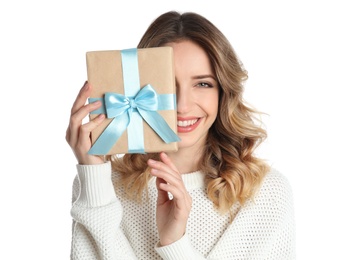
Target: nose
[184,99]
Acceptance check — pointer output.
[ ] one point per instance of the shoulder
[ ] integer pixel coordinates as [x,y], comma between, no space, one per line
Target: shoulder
[275,190]
[276,179]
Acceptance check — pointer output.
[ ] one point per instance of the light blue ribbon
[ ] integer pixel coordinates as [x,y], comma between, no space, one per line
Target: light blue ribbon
[130,109]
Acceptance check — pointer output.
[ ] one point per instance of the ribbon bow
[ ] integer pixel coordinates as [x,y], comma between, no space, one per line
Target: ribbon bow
[145,100]
[123,110]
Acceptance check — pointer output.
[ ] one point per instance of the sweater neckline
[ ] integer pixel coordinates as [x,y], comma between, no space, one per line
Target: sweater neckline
[193,180]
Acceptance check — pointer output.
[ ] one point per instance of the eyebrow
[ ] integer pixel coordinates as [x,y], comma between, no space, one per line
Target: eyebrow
[205,76]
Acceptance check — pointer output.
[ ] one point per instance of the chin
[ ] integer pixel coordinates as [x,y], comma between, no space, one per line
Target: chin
[190,142]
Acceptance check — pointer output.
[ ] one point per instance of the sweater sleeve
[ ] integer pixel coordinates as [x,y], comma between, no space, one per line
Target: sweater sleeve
[181,249]
[97,213]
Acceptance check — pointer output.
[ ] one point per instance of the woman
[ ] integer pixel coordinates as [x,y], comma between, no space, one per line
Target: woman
[213,198]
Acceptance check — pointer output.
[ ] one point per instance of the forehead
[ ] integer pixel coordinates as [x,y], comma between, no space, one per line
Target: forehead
[190,56]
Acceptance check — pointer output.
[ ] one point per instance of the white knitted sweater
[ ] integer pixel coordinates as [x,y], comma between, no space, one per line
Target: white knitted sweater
[108,226]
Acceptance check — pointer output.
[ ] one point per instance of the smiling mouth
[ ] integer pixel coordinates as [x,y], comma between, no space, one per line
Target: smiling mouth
[186,126]
[187,123]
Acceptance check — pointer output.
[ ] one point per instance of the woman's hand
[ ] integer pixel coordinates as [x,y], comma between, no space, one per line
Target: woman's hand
[171,215]
[78,134]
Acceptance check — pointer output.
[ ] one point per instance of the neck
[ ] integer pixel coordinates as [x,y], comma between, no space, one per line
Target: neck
[186,159]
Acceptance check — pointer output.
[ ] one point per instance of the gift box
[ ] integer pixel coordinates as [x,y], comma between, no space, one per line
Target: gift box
[138,94]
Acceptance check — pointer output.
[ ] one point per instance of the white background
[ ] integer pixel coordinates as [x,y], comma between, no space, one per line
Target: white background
[301,58]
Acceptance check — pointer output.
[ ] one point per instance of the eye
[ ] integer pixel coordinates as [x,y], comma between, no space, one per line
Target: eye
[204,85]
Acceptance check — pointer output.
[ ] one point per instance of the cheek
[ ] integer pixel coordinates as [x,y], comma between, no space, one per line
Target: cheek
[211,105]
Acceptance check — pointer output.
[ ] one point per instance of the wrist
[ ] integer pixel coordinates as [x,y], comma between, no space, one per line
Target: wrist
[90,160]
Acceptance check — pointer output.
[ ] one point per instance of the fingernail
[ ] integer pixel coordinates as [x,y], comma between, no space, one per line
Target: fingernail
[151,161]
[85,85]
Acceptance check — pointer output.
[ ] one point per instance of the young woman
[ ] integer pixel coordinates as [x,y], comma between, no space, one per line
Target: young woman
[213,198]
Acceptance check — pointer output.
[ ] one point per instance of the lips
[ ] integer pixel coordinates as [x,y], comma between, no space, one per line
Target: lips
[185,125]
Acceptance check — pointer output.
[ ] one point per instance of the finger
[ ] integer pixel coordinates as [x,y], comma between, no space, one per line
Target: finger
[163,167]
[78,103]
[78,117]
[174,190]
[165,159]
[181,198]
[86,129]
[170,178]
[173,186]
[81,98]
[162,195]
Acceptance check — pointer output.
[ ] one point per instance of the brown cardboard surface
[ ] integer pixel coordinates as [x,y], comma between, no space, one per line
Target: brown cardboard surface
[104,71]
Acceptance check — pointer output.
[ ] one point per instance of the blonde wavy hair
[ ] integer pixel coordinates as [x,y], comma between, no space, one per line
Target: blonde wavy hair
[233,173]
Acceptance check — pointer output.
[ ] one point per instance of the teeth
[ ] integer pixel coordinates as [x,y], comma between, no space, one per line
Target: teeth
[187,122]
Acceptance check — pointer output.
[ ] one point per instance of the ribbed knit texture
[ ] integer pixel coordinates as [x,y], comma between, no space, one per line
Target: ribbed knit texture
[109,226]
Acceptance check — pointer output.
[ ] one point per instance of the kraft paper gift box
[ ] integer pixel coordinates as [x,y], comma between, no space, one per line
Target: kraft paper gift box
[138,94]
